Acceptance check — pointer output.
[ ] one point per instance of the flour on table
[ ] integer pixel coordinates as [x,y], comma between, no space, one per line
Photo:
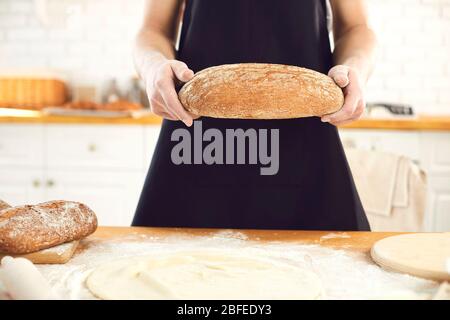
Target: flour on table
[58,250]
[230,234]
[334,235]
[344,274]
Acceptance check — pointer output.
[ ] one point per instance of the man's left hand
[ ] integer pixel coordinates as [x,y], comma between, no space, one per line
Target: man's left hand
[354,103]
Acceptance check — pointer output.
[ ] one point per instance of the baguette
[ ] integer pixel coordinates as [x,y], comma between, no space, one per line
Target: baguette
[260,91]
[30,228]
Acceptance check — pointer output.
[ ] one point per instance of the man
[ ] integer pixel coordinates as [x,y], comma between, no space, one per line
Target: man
[313,188]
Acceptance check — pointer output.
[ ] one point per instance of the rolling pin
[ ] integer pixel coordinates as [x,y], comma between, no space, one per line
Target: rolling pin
[23,281]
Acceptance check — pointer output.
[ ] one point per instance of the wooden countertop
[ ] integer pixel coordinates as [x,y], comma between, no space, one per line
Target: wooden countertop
[31,116]
[421,122]
[359,241]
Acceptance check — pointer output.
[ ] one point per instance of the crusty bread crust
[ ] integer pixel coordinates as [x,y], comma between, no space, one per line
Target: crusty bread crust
[30,228]
[3,205]
[260,91]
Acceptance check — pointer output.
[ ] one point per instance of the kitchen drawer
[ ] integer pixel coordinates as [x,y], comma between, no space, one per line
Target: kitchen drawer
[398,142]
[435,149]
[21,145]
[94,146]
[21,186]
[112,195]
[438,203]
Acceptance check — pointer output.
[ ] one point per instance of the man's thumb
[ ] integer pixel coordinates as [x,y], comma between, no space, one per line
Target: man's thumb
[340,75]
[181,71]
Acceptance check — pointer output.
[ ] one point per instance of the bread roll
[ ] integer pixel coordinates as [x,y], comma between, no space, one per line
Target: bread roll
[25,229]
[260,91]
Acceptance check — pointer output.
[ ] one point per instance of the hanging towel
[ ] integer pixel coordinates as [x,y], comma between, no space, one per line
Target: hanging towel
[391,187]
[375,175]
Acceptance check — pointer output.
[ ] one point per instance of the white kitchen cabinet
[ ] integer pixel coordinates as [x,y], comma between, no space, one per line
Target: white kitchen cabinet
[103,166]
[95,147]
[100,165]
[21,186]
[401,142]
[21,163]
[21,146]
[435,151]
[438,203]
[112,195]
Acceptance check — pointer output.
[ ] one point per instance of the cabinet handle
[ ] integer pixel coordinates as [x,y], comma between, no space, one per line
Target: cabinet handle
[50,183]
[36,183]
[92,147]
[349,143]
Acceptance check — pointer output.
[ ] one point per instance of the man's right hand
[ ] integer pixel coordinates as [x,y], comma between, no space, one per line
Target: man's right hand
[160,82]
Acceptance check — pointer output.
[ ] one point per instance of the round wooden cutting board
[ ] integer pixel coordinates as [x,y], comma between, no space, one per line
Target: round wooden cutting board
[425,255]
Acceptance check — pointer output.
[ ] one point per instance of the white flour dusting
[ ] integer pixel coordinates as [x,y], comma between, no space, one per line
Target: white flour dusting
[334,235]
[345,274]
[229,234]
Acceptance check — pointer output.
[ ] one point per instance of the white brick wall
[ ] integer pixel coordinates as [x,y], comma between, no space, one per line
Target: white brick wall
[90,40]
[413,65]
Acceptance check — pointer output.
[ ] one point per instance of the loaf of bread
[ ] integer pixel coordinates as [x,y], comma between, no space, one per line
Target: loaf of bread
[260,91]
[3,205]
[30,228]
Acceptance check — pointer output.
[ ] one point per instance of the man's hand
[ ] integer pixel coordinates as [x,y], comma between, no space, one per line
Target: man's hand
[354,102]
[160,85]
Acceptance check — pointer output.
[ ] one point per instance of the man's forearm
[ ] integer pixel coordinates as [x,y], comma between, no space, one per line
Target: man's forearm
[356,48]
[151,47]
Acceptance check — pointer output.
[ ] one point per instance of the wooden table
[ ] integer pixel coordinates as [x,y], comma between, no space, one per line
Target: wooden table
[360,241]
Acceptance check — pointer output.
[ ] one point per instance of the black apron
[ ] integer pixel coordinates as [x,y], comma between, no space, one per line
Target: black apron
[313,189]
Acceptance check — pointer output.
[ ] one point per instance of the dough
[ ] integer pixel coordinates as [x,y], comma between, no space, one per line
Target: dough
[202,275]
[421,254]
